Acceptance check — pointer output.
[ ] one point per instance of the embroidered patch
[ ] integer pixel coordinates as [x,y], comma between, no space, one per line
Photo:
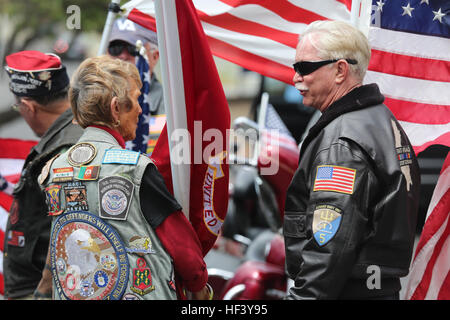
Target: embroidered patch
[46,169]
[88,258]
[115,197]
[53,199]
[326,222]
[334,178]
[120,156]
[81,153]
[140,245]
[62,174]
[75,196]
[142,278]
[16,238]
[88,173]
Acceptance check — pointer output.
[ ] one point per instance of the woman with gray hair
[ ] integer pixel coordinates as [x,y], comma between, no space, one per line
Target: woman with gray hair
[111,204]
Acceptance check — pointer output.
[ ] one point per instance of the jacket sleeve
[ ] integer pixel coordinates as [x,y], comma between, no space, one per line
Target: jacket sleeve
[322,243]
[181,242]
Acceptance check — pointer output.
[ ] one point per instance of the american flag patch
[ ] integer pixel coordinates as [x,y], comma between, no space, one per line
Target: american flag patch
[334,178]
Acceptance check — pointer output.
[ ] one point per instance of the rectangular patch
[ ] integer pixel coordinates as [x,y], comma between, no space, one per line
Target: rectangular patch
[62,174]
[88,173]
[76,197]
[16,238]
[334,178]
[120,156]
[53,200]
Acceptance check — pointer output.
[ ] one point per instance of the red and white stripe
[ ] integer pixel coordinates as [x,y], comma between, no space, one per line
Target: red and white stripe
[413,73]
[260,35]
[429,277]
[12,156]
[342,180]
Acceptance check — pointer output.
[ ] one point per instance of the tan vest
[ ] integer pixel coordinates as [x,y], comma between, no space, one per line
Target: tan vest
[101,245]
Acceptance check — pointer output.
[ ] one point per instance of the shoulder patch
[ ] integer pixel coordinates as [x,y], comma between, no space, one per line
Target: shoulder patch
[115,194]
[120,156]
[326,222]
[81,153]
[335,178]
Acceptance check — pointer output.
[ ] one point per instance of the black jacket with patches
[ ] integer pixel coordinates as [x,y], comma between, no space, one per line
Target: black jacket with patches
[364,252]
[28,227]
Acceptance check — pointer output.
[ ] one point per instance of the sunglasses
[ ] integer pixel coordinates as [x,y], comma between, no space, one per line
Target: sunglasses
[306,67]
[116,48]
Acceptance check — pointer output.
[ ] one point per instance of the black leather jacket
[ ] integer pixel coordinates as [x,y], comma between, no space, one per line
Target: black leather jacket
[351,208]
[28,226]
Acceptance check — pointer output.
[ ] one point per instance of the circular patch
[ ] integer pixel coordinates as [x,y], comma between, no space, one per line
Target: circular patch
[81,153]
[114,202]
[88,258]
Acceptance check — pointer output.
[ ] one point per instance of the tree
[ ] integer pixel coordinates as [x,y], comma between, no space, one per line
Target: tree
[35,19]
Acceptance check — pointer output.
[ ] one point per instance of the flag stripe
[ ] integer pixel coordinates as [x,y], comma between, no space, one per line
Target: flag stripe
[432,250]
[409,44]
[441,268]
[414,67]
[436,244]
[232,23]
[234,54]
[426,135]
[405,88]
[423,113]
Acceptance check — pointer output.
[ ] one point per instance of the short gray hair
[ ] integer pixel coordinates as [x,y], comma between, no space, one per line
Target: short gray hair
[339,40]
[95,83]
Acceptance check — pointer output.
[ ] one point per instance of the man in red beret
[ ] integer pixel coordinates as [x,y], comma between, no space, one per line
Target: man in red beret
[39,83]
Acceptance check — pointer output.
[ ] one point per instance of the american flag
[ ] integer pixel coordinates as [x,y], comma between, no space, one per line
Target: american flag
[12,157]
[334,178]
[429,277]
[411,64]
[142,131]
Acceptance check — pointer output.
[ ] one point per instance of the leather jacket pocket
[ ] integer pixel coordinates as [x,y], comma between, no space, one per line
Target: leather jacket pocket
[294,225]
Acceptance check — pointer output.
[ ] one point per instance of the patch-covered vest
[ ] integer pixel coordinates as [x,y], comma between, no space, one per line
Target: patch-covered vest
[101,245]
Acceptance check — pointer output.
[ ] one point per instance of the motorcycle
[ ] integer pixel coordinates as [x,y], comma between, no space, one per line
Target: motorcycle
[248,259]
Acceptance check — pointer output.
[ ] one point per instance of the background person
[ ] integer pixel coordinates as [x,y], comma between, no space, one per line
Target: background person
[351,208]
[122,44]
[39,83]
[124,193]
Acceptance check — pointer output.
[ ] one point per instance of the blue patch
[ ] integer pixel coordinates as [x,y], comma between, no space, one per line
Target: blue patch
[326,222]
[120,156]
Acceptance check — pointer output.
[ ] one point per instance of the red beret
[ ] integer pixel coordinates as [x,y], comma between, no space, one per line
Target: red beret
[33,73]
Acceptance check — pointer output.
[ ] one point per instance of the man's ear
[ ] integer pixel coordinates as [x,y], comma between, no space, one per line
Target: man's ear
[30,105]
[342,71]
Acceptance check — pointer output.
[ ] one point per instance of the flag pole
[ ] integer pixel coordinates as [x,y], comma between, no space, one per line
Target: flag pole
[113,9]
[174,99]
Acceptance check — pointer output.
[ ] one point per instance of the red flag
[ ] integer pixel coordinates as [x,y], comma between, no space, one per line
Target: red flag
[12,156]
[208,118]
[429,277]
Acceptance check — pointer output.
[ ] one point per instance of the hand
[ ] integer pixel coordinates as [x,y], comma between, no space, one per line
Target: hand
[204,294]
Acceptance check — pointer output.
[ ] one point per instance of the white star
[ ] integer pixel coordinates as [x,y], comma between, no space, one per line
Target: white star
[147,77]
[380,5]
[146,99]
[438,15]
[147,118]
[407,10]
[424,1]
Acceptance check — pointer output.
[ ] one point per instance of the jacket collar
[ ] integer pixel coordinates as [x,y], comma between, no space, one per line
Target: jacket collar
[359,98]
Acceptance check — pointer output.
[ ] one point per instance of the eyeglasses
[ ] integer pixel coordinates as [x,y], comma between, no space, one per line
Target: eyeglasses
[306,67]
[115,48]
